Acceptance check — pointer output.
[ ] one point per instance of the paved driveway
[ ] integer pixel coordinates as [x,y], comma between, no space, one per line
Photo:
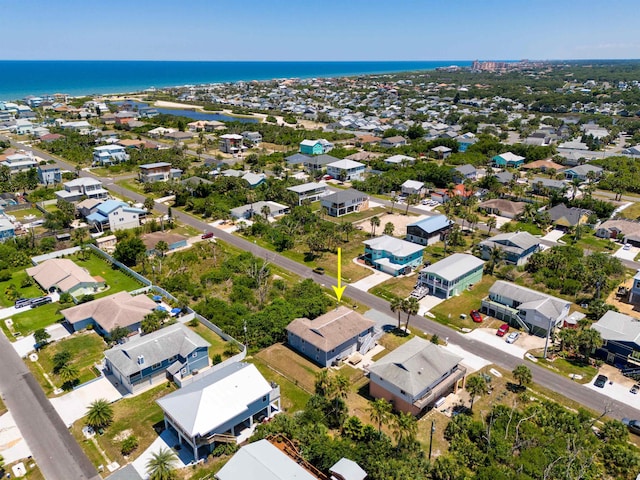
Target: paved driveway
[630,254]
[489,337]
[617,392]
[12,446]
[73,405]
[167,439]
[554,235]
[26,344]
[371,281]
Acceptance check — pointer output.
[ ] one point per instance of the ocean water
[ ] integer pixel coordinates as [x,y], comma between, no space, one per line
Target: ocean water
[21,78]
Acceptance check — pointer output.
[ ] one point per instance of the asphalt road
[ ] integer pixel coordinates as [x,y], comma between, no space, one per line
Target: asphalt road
[56,452]
[541,376]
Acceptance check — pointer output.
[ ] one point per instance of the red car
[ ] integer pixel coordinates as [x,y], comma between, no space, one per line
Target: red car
[207,235]
[504,328]
[475,316]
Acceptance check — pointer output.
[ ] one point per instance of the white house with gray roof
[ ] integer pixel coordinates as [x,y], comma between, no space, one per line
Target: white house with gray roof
[452,275]
[536,312]
[346,170]
[176,351]
[416,375]
[221,407]
[345,202]
[311,191]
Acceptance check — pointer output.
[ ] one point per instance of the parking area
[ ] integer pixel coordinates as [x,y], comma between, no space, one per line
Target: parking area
[627,252]
[554,235]
[617,391]
[371,281]
[74,404]
[518,349]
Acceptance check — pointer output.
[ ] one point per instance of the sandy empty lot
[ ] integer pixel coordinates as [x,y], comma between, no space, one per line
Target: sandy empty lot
[399,221]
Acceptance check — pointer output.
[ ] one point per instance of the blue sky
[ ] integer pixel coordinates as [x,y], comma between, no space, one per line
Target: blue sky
[318,30]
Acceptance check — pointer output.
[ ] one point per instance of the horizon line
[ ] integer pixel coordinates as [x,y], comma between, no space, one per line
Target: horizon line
[312,61]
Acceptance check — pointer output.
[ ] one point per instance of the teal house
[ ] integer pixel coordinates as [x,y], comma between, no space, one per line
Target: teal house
[392,255]
[315,147]
[452,275]
[508,159]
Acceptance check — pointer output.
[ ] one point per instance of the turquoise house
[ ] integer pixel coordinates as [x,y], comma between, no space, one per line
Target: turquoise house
[392,255]
[311,147]
[508,160]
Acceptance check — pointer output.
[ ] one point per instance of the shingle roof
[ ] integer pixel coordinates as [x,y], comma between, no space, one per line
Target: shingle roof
[618,327]
[120,309]
[331,329]
[432,224]
[454,266]
[155,347]
[465,169]
[514,241]
[344,196]
[208,403]
[394,246]
[415,365]
[572,214]
[60,272]
[503,205]
[297,158]
[548,305]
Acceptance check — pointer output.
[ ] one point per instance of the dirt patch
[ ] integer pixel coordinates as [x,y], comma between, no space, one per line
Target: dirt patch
[291,365]
[123,435]
[399,221]
[621,303]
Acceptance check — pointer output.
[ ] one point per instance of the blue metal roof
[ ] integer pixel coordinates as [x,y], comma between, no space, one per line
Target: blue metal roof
[109,206]
[432,224]
[97,217]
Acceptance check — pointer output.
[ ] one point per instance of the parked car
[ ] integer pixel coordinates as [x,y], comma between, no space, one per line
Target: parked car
[504,328]
[512,337]
[207,235]
[601,381]
[475,316]
[627,246]
[635,389]
[632,425]
[319,270]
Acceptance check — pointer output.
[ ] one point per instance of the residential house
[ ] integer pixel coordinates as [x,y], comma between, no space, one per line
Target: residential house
[634,294]
[231,143]
[508,160]
[345,202]
[254,137]
[104,314]
[262,460]
[543,185]
[258,209]
[315,147]
[7,230]
[173,240]
[317,163]
[441,151]
[392,142]
[399,160]
[49,174]
[175,351]
[451,275]
[412,187]
[297,158]
[583,172]
[115,215]
[516,247]
[124,117]
[220,407]
[621,339]
[567,217]
[20,162]
[465,141]
[464,172]
[88,206]
[82,127]
[414,376]
[634,151]
[521,307]
[345,469]
[75,190]
[332,337]
[501,207]
[346,170]
[544,166]
[23,127]
[109,154]
[311,192]
[158,172]
[429,230]
[505,178]
[62,275]
[443,196]
[254,179]
[627,231]
[392,255]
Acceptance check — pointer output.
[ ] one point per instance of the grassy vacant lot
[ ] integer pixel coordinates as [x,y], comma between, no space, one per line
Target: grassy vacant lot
[632,212]
[217,342]
[20,214]
[116,279]
[291,365]
[395,287]
[18,276]
[86,349]
[136,416]
[590,242]
[132,184]
[448,312]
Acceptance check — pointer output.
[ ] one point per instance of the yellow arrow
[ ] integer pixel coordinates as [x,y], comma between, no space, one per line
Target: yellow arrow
[339,290]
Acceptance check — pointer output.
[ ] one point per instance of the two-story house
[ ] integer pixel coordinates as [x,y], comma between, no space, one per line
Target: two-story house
[49,174]
[254,137]
[115,215]
[392,255]
[429,230]
[516,247]
[311,192]
[465,172]
[7,230]
[231,143]
[414,376]
[451,275]
[508,160]
[333,336]
[20,162]
[412,187]
[620,339]
[109,154]
[536,312]
[392,142]
[223,406]
[175,350]
[158,172]
[345,202]
[74,190]
[315,147]
[346,170]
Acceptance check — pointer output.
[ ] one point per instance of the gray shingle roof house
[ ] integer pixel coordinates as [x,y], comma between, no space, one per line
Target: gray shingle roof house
[262,460]
[345,202]
[564,216]
[415,375]
[332,336]
[221,407]
[502,207]
[621,335]
[522,307]
[620,229]
[539,184]
[142,361]
[516,247]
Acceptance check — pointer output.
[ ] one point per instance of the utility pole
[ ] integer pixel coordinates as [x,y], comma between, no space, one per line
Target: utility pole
[433,429]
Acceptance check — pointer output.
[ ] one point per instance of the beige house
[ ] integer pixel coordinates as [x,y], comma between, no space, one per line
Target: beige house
[63,275]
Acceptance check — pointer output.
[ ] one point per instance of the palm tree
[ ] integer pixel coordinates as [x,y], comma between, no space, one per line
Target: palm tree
[405,428]
[522,375]
[266,211]
[375,222]
[394,200]
[496,255]
[149,203]
[411,200]
[410,307]
[389,227]
[491,223]
[347,228]
[473,219]
[379,411]
[476,386]
[68,372]
[99,414]
[396,305]
[161,465]
[575,187]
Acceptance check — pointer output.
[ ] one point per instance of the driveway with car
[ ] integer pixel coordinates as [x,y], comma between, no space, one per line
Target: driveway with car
[488,336]
[628,253]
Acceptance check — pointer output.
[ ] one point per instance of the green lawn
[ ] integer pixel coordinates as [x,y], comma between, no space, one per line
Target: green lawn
[632,212]
[566,367]
[18,276]
[86,349]
[20,214]
[134,185]
[31,319]
[395,287]
[590,242]
[525,227]
[292,397]
[218,344]
[116,279]
[448,312]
